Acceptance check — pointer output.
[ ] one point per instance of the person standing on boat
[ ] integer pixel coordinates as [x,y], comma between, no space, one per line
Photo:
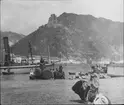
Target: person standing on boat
[42,62]
[60,68]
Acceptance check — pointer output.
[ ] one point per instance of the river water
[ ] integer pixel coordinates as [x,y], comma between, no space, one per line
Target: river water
[17,89]
[16,77]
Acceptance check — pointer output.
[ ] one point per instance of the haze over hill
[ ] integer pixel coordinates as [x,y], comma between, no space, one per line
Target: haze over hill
[73,35]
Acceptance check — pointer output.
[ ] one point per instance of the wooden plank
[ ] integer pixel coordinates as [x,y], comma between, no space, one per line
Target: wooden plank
[17,67]
[27,66]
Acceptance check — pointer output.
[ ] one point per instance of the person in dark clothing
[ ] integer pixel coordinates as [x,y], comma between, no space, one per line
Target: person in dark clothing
[79,89]
[59,74]
[87,88]
[60,68]
[42,62]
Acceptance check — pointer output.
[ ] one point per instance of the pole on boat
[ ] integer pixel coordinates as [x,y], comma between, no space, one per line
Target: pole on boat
[48,54]
[1,51]
[30,51]
[60,56]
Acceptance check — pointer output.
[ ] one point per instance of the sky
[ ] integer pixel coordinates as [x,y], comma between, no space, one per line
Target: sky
[25,16]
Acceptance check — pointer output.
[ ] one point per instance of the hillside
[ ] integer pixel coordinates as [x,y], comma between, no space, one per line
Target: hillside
[79,36]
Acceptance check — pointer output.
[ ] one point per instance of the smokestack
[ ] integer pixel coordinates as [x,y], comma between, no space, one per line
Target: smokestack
[7,51]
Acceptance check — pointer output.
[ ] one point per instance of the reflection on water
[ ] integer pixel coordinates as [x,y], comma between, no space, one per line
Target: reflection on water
[19,77]
[7,77]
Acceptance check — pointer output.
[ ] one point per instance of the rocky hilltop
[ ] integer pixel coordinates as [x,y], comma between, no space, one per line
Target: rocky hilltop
[73,35]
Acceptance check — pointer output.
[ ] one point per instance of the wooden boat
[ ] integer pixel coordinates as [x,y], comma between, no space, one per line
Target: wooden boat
[59,75]
[7,73]
[48,72]
[18,69]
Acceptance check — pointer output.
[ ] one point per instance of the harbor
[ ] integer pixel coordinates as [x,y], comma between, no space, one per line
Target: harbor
[61,52]
[49,82]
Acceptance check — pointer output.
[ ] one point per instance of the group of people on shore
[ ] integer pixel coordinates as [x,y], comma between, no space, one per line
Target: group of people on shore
[100,68]
[88,88]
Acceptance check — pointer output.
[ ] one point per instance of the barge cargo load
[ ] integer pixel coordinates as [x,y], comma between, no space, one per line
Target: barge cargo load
[116,70]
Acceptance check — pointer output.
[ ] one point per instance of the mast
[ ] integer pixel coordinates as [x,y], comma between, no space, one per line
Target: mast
[1,51]
[30,51]
[48,54]
[60,56]
[12,58]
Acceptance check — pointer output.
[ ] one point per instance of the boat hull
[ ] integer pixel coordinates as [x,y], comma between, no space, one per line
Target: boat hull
[7,73]
[46,74]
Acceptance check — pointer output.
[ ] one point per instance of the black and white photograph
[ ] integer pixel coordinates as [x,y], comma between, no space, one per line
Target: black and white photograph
[61,52]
